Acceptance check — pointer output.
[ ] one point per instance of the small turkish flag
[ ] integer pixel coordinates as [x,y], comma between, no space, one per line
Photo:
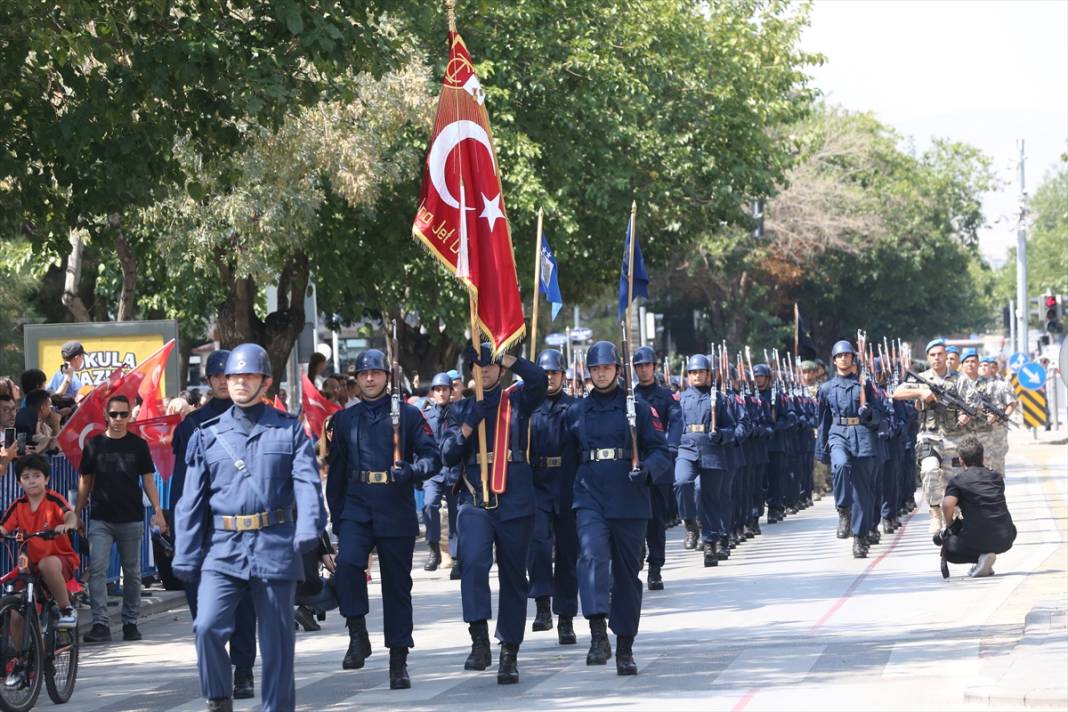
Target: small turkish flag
[316,407]
[461,217]
[159,434]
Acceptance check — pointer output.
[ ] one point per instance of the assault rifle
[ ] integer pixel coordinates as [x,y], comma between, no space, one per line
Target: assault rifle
[395,392]
[632,411]
[944,396]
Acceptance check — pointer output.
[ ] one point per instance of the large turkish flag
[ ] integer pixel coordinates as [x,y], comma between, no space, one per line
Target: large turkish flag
[461,217]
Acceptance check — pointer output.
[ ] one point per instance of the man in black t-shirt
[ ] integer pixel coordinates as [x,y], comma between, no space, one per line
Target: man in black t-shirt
[115,466]
[986,529]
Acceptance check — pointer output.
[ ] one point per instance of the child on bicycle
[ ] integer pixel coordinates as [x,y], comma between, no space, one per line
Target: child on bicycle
[41,508]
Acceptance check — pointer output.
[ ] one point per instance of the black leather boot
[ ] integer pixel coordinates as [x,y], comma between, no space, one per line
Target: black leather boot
[457,573]
[244,685]
[692,532]
[480,657]
[600,648]
[625,664]
[888,526]
[433,561]
[543,619]
[565,631]
[398,669]
[711,559]
[724,549]
[874,537]
[843,523]
[859,550]
[224,704]
[359,643]
[656,582]
[507,666]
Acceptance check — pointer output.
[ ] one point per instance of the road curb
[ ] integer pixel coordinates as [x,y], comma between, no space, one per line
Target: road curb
[153,602]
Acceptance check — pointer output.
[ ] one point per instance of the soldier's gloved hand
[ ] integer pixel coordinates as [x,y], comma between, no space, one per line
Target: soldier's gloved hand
[402,472]
[864,413]
[639,475]
[766,432]
[306,544]
[188,575]
[479,411]
[715,437]
[471,356]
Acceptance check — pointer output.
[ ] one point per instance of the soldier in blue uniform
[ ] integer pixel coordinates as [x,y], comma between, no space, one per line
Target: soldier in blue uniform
[372,506]
[505,519]
[612,505]
[251,504]
[243,641]
[781,421]
[760,432]
[553,555]
[667,409]
[847,442]
[733,515]
[441,486]
[702,462]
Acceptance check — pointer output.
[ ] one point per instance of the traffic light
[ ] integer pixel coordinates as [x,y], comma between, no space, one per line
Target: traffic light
[1052,302]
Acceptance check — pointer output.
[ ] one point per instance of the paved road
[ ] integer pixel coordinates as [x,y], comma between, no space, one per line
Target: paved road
[792,621]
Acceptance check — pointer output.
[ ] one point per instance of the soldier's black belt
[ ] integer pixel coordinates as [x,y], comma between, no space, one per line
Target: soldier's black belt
[252,522]
[695,428]
[370,477]
[604,453]
[545,463]
[849,421]
[513,456]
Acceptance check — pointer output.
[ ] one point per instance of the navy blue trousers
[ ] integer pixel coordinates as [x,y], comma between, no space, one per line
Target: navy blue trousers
[702,494]
[552,560]
[243,640]
[656,531]
[853,481]
[355,541]
[481,531]
[774,484]
[609,560]
[433,495]
[218,597]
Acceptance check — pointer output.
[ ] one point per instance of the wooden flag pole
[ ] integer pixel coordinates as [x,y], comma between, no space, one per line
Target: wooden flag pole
[797,330]
[537,292]
[630,269]
[476,371]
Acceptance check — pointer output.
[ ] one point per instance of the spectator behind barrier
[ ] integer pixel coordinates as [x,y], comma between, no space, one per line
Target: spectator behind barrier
[986,529]
[65,381]
[8,448]
[32,379]
[37,423]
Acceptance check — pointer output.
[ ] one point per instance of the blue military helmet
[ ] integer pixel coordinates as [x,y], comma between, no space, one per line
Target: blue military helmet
[603,353]
[248,358]
[216,363]
[969,353]
[761,369]
[371,360]
[698,362]
[551,360]
[644,355]
[441,379]
[842,347]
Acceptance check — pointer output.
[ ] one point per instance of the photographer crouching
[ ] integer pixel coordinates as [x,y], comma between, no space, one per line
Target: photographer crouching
[986,529]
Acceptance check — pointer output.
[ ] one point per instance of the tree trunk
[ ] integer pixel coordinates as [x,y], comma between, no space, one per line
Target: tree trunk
[238,322]
[73,279]
[425,354]
[128,264]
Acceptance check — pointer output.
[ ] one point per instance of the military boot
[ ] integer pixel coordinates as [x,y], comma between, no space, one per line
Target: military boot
[874,537]
[843,523]
[244,684]
[749,532]
[625,664]
[656,583]
[480,657]
[888,526]
[600,648]
[507,666]
[692,532]
[859,550]
[723,551]
[398,669]
[756,527]
[222,704]
[433,561]
[359,643]
[565,631]
[457,572]
[543,619]
[709,549]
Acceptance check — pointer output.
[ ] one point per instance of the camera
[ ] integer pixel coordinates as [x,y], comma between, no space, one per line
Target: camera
[9,437]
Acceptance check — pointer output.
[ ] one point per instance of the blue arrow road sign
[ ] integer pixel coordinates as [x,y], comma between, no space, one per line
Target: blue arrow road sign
[1017,360]
[1031,376]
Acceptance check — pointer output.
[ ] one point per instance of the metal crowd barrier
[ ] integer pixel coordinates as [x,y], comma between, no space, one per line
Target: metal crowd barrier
[64,479]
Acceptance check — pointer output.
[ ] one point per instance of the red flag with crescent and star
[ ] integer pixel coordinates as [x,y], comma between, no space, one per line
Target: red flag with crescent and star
[317,407]
[461,217]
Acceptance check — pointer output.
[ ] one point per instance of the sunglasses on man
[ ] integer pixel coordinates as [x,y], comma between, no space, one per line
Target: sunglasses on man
[116,414]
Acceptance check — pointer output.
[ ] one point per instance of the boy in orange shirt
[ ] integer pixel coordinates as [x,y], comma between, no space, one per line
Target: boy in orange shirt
[38,509]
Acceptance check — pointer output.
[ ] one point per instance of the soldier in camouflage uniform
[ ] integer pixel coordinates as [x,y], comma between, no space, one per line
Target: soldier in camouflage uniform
[1000,393]
[940,429]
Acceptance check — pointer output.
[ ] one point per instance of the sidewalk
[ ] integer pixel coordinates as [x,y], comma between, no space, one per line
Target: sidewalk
[154,601]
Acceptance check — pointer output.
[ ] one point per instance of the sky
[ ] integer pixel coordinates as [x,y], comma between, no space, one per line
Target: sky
[985,72]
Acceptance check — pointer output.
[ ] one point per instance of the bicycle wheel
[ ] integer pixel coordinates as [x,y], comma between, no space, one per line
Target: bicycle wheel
[21,660]
[61,659]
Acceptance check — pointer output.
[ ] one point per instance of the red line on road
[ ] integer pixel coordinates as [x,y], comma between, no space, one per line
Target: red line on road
[745,699]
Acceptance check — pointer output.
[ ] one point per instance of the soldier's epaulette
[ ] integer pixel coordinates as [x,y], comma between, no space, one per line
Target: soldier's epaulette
[210,422]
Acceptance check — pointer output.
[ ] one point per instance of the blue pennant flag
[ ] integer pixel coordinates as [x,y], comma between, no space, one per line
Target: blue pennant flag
[550,286]
[641,277]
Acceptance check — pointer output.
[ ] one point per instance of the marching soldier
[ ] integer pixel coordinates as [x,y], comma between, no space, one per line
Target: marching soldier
[667,409]
[847,442]
[553,555]
[369,490]
[702,456]
[999,392]
[441,486]
[505,519]
[779,421]
[250,505]
[612,504]
[243,641]
[940,428]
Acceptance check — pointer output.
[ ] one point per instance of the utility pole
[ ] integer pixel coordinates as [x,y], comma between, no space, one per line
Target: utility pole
[1022,301]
